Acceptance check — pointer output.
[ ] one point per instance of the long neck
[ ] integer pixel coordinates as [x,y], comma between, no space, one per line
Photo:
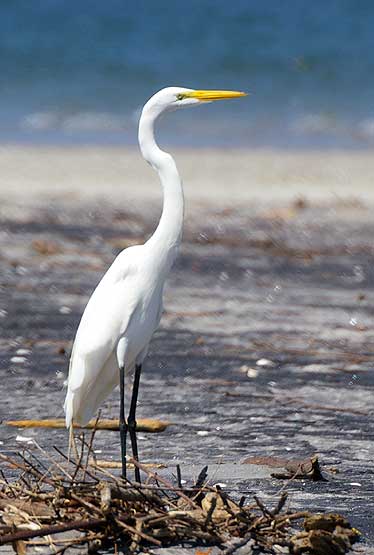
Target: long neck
[167,237]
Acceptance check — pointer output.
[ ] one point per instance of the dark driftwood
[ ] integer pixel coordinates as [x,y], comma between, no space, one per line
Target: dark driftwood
[54,529]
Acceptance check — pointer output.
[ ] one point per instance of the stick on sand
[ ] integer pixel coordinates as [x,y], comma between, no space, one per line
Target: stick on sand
[142,425]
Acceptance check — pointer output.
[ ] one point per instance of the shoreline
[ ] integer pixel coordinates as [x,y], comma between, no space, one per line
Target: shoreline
[229,177]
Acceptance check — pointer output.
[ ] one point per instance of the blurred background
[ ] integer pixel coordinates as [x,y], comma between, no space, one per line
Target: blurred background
[79,72]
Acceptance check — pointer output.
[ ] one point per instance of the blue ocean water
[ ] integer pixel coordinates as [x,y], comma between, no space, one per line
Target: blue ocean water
[79,72]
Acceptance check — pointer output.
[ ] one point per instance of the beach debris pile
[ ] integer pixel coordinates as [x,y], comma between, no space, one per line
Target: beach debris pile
[51,503]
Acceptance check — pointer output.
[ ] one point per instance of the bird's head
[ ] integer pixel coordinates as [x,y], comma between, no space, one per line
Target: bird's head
[172,98]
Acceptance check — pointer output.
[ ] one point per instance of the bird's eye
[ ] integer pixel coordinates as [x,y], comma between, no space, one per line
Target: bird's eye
[180,96]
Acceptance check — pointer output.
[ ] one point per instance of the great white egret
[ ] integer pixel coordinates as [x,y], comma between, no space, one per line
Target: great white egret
[125,308]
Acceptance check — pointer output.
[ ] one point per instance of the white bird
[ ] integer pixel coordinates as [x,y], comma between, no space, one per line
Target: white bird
[124,310]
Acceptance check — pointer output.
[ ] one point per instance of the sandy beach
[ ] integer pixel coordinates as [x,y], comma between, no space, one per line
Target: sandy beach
[212,177]
[276,263]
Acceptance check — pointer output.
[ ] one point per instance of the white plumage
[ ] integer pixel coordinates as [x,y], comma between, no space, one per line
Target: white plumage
[126,303]
[125,308]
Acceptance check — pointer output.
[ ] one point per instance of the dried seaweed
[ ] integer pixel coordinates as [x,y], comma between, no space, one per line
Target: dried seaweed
[308,468]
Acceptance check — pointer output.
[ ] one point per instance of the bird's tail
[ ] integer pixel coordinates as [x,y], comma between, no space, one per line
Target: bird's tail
[69,408]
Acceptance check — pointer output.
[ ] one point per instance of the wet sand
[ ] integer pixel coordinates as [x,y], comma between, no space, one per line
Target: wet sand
[289,279]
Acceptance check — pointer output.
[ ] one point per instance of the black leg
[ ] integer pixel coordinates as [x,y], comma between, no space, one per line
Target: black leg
[132,419]
[122,422]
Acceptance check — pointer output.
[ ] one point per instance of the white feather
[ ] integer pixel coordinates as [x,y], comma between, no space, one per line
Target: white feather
[119,307]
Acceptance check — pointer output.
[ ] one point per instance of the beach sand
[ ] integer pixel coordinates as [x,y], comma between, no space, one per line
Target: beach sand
[212,177]
[262,274]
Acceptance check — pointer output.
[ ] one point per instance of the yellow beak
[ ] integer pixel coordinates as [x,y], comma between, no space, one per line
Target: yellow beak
[208,96]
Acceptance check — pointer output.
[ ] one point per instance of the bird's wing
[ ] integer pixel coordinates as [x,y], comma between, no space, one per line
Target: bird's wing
[105,318]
